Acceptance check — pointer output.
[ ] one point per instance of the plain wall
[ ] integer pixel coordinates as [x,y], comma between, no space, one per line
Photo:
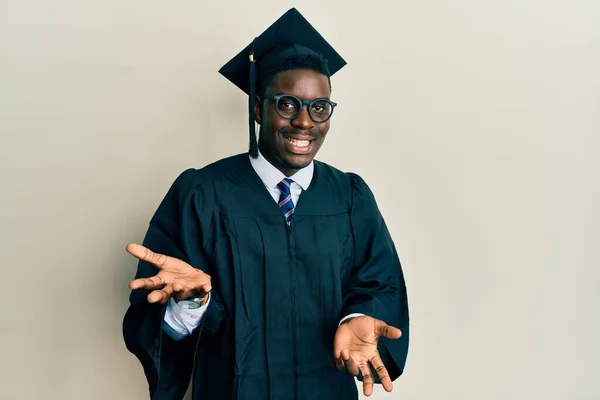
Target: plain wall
[475,122]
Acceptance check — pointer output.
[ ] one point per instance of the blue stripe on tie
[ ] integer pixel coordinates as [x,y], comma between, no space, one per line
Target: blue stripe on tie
[285,200]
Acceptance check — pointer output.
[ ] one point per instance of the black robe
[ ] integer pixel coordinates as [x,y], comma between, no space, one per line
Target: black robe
[279,291]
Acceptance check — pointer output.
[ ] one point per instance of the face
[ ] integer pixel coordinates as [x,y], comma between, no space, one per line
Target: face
[292,145]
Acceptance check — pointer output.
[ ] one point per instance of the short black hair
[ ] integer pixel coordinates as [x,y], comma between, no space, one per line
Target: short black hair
[315,62]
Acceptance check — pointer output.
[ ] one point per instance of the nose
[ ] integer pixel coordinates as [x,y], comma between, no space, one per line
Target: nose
[303,120]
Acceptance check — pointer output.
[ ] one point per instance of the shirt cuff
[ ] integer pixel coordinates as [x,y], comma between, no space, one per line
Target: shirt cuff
[180,322]
[351,316]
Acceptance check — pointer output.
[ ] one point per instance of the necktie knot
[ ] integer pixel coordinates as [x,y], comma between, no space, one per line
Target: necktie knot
[285,185]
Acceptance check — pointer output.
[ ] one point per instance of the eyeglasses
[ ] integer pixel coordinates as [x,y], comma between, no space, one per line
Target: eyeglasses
[289,107]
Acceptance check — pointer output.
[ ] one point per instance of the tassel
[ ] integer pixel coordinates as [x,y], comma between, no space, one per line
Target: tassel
[252,102]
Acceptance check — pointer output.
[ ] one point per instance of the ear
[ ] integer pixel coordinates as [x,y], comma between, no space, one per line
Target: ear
[258,110]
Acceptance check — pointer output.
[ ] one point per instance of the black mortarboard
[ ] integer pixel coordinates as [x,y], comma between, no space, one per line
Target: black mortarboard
[290,35]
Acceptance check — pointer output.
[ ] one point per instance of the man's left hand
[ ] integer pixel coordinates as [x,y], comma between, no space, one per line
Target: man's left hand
[355,348]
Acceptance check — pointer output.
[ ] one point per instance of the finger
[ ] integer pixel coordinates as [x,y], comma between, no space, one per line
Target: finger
[349,363]
[178,290]
[153,282]
[368,381]
[145,254]
[337,357]
[339,364]
[207,287]
[387,331]
[205,299]
[161,296]
[382,373]
[178,287]
[181,292]
[337,352]
[200,292]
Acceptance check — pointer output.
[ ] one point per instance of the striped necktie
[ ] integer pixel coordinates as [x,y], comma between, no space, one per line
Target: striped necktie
[285,200]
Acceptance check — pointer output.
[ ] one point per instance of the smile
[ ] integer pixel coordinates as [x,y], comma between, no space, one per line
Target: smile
[298,143]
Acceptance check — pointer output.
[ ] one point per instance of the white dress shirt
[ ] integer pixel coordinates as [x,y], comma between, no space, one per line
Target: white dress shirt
[180,322]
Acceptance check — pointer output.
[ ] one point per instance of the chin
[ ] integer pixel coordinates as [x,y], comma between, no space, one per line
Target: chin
[298,161]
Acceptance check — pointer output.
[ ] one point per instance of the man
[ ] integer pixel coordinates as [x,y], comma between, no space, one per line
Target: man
[262,272]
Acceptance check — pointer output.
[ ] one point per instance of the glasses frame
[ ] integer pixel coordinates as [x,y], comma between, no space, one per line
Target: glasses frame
[302,103]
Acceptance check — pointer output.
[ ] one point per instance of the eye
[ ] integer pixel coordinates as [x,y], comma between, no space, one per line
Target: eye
[286,105]
[320,107]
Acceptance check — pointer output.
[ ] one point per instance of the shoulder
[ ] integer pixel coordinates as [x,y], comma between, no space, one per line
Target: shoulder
[332,175]
[202,180]
[347,187]
[352,181]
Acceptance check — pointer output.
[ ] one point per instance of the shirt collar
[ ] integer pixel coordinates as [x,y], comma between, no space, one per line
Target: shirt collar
[271,176]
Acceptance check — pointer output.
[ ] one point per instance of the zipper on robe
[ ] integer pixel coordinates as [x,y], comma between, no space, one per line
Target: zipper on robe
[292,253]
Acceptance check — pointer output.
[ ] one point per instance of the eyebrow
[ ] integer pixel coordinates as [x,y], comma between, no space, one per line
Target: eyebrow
[290,94]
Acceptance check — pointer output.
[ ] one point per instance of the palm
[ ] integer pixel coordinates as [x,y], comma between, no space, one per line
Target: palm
[355,348]
[359,338]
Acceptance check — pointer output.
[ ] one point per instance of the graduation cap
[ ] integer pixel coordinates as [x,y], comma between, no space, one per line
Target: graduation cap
[290,35]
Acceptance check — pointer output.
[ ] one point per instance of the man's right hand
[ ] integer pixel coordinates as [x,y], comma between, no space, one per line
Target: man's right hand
[174,278]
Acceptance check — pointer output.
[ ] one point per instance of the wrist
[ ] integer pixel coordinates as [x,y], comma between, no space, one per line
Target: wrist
[193,302]
[349,317]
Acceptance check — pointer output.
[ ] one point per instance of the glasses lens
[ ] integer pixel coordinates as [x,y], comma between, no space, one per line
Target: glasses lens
[321,110]
[288,107]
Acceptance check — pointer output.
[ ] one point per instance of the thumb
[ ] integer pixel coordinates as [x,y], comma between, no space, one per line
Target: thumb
[337,352]
[387,331]
[339,343]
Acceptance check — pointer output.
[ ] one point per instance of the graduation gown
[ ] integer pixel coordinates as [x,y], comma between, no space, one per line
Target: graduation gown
[279,291]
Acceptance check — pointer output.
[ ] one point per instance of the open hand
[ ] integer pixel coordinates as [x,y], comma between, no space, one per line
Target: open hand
[355,348]
[175,277]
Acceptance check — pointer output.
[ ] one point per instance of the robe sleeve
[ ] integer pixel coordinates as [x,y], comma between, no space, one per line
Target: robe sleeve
[376,286]
[177,229]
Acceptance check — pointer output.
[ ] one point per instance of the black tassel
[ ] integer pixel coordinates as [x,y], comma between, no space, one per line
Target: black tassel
[252,102]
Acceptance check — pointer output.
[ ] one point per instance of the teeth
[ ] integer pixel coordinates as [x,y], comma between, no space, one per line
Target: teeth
[299,143]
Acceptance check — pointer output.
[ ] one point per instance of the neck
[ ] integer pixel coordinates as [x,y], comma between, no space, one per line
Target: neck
[277,163]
